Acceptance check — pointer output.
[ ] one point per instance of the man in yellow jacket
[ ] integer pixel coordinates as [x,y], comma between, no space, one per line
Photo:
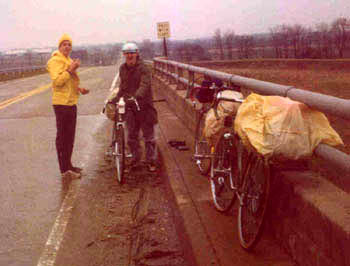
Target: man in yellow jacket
[65,94]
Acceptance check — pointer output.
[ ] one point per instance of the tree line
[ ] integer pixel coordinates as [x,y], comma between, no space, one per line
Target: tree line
[323,41]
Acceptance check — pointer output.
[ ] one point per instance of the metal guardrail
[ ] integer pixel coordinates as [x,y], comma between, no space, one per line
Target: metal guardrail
[174,72]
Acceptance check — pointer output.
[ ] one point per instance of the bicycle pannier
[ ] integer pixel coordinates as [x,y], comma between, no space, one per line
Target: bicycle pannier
[110,111]
[109,107]
[205,94]
[226,111]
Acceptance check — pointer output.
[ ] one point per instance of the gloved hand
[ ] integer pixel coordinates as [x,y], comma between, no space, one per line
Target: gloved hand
[127,96]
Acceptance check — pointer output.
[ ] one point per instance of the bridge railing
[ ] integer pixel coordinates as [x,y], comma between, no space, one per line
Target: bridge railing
[184,77]
[20,69]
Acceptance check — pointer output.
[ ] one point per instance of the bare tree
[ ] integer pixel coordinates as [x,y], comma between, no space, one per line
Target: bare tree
[218,44]
[285,39]
[340,36]
[307,38]
[275,41]
[297,35]
[147,49]
[323,40]
[228,40]
[279,40]
[245,46]
[183,52]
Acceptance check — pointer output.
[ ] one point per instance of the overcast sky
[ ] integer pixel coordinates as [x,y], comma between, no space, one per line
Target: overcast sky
[40,23]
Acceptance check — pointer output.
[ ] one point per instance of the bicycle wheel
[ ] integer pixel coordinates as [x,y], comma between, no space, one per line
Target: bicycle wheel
[224,172]
[254,194]
[201,148]
[119,155]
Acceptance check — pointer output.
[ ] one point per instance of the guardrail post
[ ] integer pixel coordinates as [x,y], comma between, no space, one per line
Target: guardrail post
[164,68]
[167,72]
[173,74]
[154,68]
[158,66]
[180,74]
[190,83]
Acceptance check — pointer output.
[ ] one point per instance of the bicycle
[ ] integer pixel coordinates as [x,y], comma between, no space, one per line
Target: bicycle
[118,139]
[222,170]
[238,172]
[205,95]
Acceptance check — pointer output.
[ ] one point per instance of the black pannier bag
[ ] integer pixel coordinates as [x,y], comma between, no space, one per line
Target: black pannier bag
[204,93]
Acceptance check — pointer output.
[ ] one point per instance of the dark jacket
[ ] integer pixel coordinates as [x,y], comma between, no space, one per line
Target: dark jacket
[136,81]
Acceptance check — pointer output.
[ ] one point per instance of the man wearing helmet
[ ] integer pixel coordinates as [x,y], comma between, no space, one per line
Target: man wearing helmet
[135,81]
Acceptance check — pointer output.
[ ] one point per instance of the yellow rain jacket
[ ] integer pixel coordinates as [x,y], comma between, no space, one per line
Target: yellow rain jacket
[64,86]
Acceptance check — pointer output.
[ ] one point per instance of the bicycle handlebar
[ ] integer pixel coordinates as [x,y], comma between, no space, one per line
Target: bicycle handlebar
[133,99]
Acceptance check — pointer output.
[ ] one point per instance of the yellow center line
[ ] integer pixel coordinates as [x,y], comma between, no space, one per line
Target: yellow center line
[25,95]
[22,96]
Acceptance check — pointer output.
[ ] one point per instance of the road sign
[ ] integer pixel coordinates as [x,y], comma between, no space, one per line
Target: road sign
[163,30]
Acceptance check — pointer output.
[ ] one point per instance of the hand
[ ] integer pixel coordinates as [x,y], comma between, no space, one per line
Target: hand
[83,91]
[74,66]
[127,96]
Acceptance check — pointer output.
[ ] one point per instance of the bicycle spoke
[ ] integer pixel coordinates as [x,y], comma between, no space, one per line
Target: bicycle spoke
[221,179]
[119,154]
[254,198]
[202,149]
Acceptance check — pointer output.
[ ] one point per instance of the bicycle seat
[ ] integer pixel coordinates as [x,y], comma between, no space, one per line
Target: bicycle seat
[230,95]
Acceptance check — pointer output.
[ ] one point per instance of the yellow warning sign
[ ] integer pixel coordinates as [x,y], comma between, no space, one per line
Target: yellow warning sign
[163,29]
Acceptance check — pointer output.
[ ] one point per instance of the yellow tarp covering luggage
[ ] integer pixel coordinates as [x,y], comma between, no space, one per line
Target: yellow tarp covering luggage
[281,128]
[214,126]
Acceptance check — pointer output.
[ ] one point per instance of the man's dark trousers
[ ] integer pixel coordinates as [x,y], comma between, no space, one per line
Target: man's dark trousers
[66,119]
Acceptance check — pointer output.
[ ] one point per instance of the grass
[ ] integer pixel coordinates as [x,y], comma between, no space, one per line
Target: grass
[334,83]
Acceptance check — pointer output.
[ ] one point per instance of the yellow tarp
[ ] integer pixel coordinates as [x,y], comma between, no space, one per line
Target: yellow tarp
[281,128]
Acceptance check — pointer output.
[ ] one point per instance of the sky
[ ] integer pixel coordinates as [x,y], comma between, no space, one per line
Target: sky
[40,23]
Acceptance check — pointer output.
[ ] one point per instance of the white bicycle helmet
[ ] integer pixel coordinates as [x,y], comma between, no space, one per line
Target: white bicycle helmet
[130,48]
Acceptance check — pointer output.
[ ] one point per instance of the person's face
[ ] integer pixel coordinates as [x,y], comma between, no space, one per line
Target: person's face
[65,48]
[130,58]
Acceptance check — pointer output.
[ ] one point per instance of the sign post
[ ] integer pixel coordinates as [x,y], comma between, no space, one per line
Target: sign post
[163,30]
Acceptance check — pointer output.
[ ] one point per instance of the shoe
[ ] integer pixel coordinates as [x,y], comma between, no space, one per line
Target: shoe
[76,169]
[71,174]
[152,167]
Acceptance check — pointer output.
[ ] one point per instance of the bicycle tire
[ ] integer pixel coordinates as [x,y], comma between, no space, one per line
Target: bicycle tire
[201,148]
[119,154]
[224,172]
[254,195]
